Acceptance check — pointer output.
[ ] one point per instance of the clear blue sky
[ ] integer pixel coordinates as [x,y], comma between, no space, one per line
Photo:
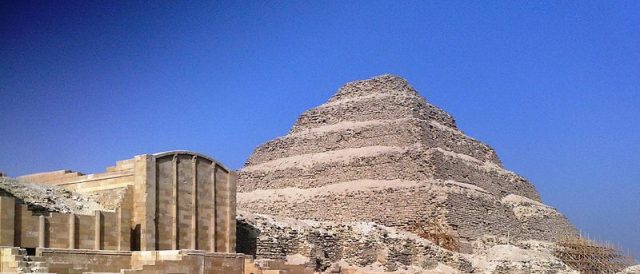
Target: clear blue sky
[553,86]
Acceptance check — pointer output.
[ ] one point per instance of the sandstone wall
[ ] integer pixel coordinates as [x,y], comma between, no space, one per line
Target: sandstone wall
[54,177]
[106,188]
[116,177]
[65,261]
[185,262]
[27,226]
[275,267]
[185,201]
[26,229]
[69,261]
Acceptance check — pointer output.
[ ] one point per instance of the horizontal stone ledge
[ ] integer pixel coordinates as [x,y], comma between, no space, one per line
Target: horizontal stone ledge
[349,187]
[308,160]
[368,97]
[99,178]
[348,155]
[83,251]
[204,253]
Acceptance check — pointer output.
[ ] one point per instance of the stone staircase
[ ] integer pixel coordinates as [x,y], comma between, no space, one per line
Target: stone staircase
[16,260]
[35,264]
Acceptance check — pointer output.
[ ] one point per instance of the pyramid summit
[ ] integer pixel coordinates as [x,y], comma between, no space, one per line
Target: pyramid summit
[393,98]
[384,84]
[377,151]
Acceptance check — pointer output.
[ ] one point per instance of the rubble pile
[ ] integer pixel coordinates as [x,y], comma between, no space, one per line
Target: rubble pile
[48,198]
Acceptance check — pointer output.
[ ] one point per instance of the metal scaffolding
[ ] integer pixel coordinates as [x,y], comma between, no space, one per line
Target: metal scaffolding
[438,233]
[588,256]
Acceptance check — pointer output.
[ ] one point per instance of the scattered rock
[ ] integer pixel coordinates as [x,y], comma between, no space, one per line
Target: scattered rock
[48,198]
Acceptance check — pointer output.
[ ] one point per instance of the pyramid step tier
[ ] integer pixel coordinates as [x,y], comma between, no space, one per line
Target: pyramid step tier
[414,162]
[372,108]
[470,211]
[354,134]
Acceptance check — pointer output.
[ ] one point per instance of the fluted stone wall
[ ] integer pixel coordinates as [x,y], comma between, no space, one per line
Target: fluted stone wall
[185,201]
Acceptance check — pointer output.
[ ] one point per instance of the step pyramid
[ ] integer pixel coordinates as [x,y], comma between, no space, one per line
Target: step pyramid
[377,151]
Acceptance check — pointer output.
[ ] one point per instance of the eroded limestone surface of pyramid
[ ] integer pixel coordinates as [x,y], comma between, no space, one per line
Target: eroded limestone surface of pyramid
[379,152]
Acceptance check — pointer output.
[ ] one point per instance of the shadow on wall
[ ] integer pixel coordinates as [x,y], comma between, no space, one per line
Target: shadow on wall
[246,238]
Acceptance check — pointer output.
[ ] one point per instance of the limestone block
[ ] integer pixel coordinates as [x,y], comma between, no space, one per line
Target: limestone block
[7,221]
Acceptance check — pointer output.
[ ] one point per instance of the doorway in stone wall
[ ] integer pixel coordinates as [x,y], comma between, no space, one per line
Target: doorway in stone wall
[31,251]
[246,238]
[135,238]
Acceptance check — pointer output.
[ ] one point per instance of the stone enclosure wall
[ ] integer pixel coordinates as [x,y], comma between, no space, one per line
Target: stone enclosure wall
[21,227]
[183,200]
[171,212]
[78,261]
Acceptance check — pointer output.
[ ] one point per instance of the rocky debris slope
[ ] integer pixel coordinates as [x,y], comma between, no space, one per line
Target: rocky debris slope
[369,247]
[321,245]
[379,152]
[631,270]
[48,198]
[501,255]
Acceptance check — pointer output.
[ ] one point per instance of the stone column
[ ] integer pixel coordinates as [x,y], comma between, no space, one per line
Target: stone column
[72,231]
[214,215]
[41,232]
[176,219]
[144,204]
[231,217]
[97,231]
[120,224]
[225,212]
[194,204]
[220,203]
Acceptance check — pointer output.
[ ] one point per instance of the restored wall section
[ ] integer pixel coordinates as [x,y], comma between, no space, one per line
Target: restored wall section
[7,222]
[184,201]
[57,234]
[205,219]
[118,176]
[85,232]
[26,225]
[52,178]
[185,262]
[70,261]
[144,206]
[164,204]
[225,212]
[101,231]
